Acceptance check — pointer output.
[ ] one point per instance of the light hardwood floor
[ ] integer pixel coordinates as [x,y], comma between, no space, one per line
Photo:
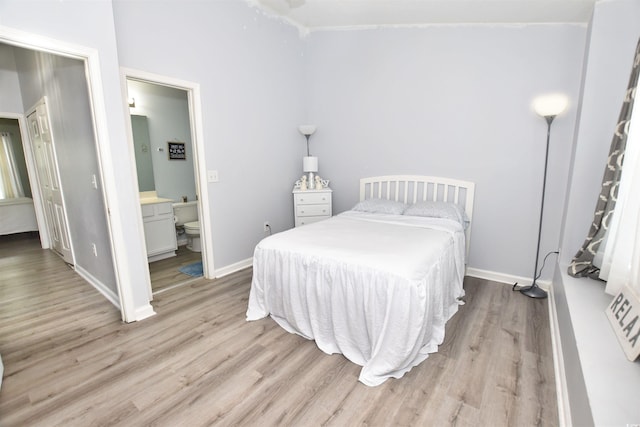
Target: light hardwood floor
[164,274]
[70,361]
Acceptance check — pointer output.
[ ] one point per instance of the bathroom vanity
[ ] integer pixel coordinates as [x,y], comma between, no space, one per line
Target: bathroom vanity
[159,226]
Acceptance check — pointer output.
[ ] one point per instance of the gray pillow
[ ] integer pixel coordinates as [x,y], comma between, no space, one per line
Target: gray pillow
[380,206]
[445,210]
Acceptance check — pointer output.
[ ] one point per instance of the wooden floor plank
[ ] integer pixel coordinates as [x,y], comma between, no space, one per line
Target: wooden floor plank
[69,360]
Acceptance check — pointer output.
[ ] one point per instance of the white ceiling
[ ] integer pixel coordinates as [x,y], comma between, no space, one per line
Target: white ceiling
[320,14]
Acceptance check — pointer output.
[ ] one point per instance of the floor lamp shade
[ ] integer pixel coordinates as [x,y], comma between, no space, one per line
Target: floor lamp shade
[550,105]
[307,131]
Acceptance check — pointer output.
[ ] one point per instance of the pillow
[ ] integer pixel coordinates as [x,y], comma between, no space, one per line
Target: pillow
[380,206]
[445,210]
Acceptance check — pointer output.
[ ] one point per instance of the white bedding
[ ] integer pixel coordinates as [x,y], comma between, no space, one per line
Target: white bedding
[17,216]
[376,288]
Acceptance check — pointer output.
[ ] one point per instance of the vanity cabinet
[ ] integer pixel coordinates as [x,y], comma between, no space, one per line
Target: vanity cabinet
[159,230]
[311,205]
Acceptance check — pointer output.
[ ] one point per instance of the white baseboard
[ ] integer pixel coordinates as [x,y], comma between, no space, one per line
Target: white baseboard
[101,287]
[144,312]
[232,268]
[140,313]
[506,278]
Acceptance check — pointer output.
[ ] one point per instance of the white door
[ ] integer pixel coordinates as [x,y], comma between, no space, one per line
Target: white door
[49,181]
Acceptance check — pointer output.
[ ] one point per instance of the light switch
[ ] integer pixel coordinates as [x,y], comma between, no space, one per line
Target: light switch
[212,176]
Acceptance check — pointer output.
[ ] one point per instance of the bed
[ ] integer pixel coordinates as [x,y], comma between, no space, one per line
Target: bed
[17,215]
[377,283]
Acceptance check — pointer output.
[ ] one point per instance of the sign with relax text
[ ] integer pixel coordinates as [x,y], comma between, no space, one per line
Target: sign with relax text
[624,315]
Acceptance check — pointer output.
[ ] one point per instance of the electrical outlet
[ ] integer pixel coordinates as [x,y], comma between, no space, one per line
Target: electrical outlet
[212,176]
[267,226]
[94,249]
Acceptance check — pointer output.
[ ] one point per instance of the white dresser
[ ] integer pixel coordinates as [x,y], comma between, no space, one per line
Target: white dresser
[311,205]
[159,228]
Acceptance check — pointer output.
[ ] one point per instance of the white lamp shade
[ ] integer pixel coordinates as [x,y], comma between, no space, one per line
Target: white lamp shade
[307,129]
[550,105]
[310,164]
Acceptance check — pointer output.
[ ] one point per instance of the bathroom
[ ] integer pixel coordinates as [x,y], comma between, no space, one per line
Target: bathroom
[166,178]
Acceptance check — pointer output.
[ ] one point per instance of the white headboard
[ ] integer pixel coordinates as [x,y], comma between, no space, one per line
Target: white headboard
[418,188]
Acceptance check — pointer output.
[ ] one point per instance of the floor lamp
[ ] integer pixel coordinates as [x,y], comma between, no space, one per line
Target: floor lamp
[309,163]
[548,107]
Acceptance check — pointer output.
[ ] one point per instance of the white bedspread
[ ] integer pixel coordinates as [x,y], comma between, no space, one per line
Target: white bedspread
[17,216]
[376,288]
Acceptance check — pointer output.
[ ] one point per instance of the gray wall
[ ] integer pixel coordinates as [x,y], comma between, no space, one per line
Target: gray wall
[167,112]
[62,80]
[250,71]
[11,100]
[452,101]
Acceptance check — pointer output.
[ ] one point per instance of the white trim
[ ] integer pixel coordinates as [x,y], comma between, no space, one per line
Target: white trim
[100,287]
[200,166]
[202,187]
[40,43]
[506,278]
[177,285]
[232,268]
[562,391]
[144,312]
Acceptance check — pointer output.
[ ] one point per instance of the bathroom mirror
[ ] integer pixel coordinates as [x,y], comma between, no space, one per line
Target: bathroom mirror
[142,148]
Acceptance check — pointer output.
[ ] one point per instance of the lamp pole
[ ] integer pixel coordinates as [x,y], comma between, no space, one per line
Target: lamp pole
[534,291]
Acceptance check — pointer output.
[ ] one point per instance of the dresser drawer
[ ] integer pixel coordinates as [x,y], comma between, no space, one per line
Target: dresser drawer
[304,220]
[312,210]
[312,198]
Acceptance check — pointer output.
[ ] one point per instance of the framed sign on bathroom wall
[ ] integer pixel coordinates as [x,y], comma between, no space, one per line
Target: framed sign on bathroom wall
[176,151]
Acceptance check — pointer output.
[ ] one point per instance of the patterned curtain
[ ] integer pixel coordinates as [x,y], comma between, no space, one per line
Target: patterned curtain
[582,263]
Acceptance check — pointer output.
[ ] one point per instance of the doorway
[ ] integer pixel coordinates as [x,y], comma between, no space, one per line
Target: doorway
[163,114]
[18,213]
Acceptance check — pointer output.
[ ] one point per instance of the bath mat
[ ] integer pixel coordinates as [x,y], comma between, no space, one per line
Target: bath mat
[194,269]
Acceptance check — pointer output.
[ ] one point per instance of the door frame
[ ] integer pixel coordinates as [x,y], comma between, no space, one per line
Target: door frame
[131,308]
[199,163]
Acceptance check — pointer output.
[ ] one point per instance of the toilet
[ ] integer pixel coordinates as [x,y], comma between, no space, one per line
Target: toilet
[192,229]
[186,218]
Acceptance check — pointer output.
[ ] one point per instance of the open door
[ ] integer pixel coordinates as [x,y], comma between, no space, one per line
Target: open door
[49,181]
